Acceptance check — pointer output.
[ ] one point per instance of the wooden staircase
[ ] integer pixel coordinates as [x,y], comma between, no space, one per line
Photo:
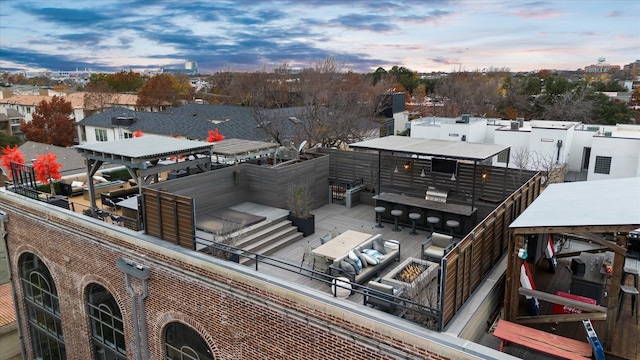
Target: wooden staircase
[267,237]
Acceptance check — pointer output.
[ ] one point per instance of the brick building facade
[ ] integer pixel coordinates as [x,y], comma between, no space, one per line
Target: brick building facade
[237,312]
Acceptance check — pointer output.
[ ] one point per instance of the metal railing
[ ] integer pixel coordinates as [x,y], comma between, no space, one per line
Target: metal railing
[424,315]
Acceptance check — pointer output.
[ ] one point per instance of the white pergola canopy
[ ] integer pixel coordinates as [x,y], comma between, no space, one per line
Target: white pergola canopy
[614,202]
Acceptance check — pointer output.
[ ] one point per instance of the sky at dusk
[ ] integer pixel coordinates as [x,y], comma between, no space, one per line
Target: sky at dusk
[247,35]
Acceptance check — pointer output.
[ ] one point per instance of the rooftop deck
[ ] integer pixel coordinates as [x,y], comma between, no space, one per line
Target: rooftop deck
[362,218]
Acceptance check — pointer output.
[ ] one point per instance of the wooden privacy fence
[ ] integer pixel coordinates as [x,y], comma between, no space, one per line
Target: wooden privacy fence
[464,267]
[169,217]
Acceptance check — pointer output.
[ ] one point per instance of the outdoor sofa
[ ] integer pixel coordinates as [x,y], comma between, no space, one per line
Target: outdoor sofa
[346,266]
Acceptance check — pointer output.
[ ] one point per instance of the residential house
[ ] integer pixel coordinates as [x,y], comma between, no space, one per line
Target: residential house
[590,151]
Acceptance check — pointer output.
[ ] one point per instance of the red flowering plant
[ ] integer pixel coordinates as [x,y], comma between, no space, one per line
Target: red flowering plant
[214,136]
[9,155]
[47,169]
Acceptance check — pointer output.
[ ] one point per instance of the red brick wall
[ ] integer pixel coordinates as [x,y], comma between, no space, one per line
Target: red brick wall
[237,315]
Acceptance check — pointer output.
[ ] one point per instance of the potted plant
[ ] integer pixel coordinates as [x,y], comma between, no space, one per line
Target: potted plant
[299,201]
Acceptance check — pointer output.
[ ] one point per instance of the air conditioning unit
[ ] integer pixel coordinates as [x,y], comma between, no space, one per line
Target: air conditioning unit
[520,121]
[464,119]
[515,125]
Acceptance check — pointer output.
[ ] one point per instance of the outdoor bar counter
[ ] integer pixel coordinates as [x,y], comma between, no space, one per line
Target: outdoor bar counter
[444,211]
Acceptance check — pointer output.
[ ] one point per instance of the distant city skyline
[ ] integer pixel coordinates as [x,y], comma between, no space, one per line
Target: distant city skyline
[247,35]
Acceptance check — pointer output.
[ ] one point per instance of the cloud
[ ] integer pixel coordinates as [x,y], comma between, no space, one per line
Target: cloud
[537,13]
[614,13]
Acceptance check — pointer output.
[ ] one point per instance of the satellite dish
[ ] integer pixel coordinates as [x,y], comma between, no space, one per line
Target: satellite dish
[301,147]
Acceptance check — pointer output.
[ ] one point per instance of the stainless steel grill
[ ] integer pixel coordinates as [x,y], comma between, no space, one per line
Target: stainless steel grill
[438,195]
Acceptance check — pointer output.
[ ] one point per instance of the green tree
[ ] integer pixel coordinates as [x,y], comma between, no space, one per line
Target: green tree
[124,81]
[51,123]
[608,111]
[8,140]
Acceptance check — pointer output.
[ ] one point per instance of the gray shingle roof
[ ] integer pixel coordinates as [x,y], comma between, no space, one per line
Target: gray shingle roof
[192,121]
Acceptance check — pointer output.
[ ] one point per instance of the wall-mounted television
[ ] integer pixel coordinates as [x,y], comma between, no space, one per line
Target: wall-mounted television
[444,166]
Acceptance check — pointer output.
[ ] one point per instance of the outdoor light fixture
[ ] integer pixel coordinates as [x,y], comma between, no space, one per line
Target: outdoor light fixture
[407,166]
[422,174]
[395,171]
[484,175]
[453,176]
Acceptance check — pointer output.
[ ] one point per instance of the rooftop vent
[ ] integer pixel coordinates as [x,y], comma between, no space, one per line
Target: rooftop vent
[515,125]
[520,121]
[123,120]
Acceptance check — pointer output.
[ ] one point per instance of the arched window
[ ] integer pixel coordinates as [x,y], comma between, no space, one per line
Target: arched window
[107,328]
[184,343]
[43,309]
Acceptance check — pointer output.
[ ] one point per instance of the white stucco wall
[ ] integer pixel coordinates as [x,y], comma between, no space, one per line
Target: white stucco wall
[624,153]
[518,140]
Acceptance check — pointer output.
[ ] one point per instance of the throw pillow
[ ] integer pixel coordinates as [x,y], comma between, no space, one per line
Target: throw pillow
[378,245]
[356,259]
[370,259]
[76,184]
[363,260]
[347,268]
[353,263]
[375,254]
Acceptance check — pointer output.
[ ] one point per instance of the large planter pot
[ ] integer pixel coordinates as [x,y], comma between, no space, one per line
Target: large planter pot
[305,226]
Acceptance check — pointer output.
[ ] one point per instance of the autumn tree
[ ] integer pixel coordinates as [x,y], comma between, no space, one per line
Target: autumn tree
[214,136]
[158,93]
[11,155]
[47,169]
[51,123]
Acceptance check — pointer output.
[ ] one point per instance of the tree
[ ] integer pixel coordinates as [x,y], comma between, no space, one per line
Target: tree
[52,123]
[158,93]
[214,136]
[99,96]
[6,140]
[121,81]
[47,169]
[11,155]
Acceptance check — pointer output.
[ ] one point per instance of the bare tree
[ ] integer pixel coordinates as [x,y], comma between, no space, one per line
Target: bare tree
[552,171]
[331,107]
[98,97]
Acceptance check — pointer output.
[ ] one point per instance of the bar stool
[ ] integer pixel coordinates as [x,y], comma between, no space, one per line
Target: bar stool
[628,290]
[628,270]
[414,217]
[379,211]
[452,224]
[433,220]
[396,214]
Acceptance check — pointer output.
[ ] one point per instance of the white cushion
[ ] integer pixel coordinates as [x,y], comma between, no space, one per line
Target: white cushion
[392,244]
[374,253]
[99,179]
[434,251]
[370,259]
[76,184]
[343,289]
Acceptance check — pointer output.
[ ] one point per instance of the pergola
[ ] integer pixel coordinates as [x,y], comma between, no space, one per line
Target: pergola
[456,150]
[140,156]
[603,206]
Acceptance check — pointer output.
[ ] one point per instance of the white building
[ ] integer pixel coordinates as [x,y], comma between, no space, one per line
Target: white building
[591,152]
